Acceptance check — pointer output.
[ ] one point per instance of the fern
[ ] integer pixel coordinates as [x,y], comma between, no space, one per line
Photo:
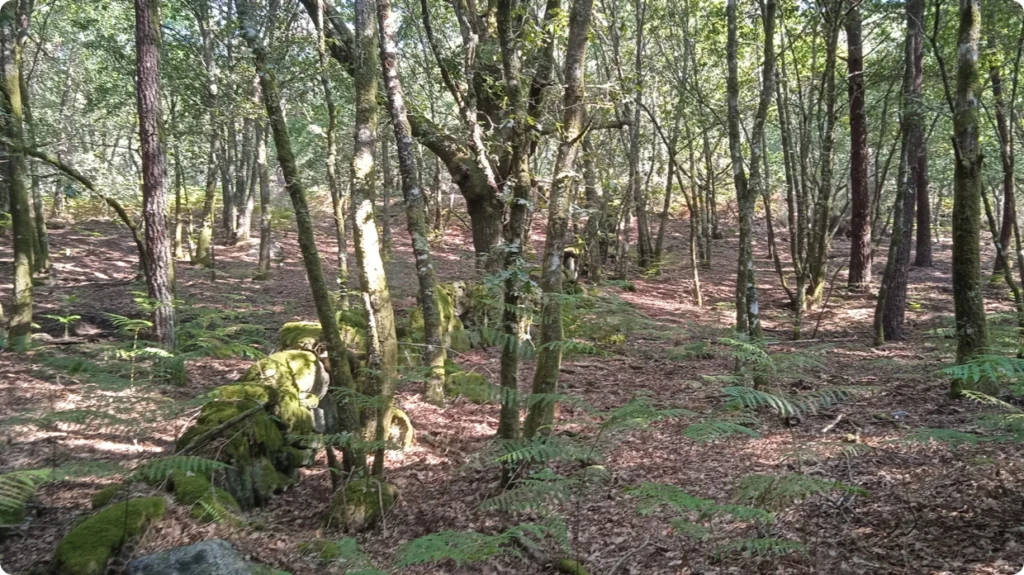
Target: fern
[545,489]
[716,429]
[18,487]
[652,496]
[157,470]
[762,547]
[464,547]
[778,492]
[950,437]
[787,405]
[638,413]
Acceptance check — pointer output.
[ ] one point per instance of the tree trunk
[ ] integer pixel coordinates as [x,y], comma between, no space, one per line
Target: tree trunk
[643,239]
[383,345]
[415,208]
[541,414]
[821,236]
[20,320]
[177,247]
[968,302]
[263,171]
[860,216]
[336,353]
[1006,155]
[204,242]
[388,182]
[158,264]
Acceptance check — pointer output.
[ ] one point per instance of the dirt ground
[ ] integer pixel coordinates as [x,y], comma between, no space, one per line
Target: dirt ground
[929,509]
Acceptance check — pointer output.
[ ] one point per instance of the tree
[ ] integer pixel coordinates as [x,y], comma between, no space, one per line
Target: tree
[337,355]
[890,311]
[415,209]
[549,358]
[382,343]
[158,263]
[860,218]
[968,302]
[20,319]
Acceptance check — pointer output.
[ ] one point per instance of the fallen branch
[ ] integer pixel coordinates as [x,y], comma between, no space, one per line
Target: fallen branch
[206,437]
[74,174]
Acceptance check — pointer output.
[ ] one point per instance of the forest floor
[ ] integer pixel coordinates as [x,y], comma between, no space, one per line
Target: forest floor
[929,508]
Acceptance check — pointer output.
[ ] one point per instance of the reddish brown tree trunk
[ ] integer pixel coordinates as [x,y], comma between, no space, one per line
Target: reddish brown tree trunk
[157,264]
[860,217]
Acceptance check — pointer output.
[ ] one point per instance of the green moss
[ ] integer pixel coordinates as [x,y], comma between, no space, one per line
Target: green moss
[101,499]
[302,335]
[293,414]
[216,506]
[324,550]
[459,340]
[256,435]
[352,317]
[87,548]
[259,393]
[290,367]
[189,488]
[361,504]
[472,386]
[266,480]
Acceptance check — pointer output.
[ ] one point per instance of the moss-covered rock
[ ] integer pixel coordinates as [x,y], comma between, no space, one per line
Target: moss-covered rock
[102,497]
[87,548]
[403,432]
[309,336]
[292,367]
[259,393]
[255,435]
[361,504]
[189,487]
[267,480]
[472,386]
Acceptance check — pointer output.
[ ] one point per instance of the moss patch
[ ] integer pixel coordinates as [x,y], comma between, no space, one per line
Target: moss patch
[361,504]
[104,496]
[87,548]
[472,386]
[252,391]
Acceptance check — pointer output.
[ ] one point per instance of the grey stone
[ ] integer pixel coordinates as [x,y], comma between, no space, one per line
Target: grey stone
[210,557]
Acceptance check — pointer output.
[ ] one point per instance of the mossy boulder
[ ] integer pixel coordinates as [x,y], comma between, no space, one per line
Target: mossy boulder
[103,497]
[472,386]
[290,367]
[452,330]
[403,432]
[262,394]
[309,336]
[209,557]
[361,504]
[256,435]
[87,548]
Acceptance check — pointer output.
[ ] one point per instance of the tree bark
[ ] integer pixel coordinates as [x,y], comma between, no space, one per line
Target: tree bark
[643,239]
[383,345]
[19,322]
[968,302]
[204,242]
[263,171]
[860,216]
[158,264]
[415,208]
[540,417]
[1006,155]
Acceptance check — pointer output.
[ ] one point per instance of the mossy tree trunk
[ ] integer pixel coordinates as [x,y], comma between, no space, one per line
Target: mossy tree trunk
[1006,155]
[204,242]
[158,264]
[336,353]
[415,208]
[337,198]
[891,309]
[20,321]
[821,232]
[383,345]
[263,172]
[541,414]
[968,302]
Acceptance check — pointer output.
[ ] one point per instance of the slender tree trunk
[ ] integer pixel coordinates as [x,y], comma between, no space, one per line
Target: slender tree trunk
[19,323]
[177,248]
[542,413]
[382,343]
[860,217]
[415,208]
[337,355]
[821,237]
[158,264]
[890,311]
[388,181]
[204,242]
[667,206]
[1006,155]
[263,171]
[595,213]
[968,301]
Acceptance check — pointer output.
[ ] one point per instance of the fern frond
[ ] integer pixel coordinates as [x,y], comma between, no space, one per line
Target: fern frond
[716,429]
[950,437]
[779,492]
[156,470]
[762,547]
[655,495]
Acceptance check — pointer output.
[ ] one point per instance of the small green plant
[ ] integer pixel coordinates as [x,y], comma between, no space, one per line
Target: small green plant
[66,321]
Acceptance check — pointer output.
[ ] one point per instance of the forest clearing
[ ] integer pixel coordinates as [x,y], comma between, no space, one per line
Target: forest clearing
[582,287]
